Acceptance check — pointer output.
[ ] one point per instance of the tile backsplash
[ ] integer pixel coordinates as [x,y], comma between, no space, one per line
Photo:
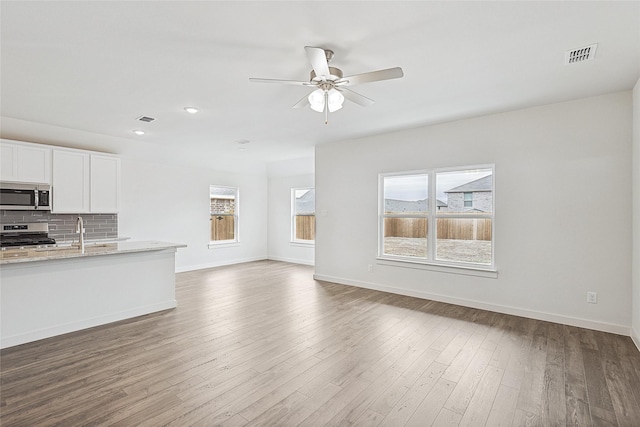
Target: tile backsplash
[62,227]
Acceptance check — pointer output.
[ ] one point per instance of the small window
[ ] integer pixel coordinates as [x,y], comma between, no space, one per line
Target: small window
[303,215]
[223,214]
[468,200]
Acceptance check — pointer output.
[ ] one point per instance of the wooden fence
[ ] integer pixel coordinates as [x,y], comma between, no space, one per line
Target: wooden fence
[222,227]
[305,227]
[405,227]
[448,228]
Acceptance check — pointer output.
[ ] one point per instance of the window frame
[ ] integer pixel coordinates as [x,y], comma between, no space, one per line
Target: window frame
[469,200]
[430,262]
[293,239]
[236,219]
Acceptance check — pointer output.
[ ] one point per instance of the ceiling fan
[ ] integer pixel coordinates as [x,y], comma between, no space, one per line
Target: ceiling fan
[330,84]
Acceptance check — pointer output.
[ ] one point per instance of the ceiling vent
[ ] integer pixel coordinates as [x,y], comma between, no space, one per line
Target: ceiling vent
[581,54]
[146,119]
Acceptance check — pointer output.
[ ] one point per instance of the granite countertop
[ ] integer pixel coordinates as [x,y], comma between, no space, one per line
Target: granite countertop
[20,255]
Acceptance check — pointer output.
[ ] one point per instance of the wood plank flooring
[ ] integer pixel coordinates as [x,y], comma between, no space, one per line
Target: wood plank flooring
[262,343]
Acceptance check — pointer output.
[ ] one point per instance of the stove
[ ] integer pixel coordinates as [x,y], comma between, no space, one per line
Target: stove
[17,235]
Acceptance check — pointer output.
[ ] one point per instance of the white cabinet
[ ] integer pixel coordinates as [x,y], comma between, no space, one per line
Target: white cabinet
[85,183]
[81,181]
[8,162]
[105,184]
[25,163]
[70,186]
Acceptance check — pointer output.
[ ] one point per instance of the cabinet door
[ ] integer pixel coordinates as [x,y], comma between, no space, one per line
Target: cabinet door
[8,162]
[34,164]
[70,186]
[22,163]
[105,184]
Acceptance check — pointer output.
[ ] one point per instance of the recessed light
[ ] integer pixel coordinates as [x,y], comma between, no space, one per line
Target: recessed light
[139,132]
[191,110]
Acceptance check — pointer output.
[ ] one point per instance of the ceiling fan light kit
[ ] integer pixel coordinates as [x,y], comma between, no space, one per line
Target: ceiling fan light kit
[330,91]
[320,98]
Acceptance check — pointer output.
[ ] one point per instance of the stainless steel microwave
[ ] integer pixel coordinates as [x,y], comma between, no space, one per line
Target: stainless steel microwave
[19,196]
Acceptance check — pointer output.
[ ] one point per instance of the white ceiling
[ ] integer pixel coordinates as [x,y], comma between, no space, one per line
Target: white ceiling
[97,66]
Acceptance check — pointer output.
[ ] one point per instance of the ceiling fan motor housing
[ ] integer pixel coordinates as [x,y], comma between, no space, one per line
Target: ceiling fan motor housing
[334,74]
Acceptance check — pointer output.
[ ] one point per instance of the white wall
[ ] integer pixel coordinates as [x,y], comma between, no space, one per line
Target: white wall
[171,203]
[635,332]
[283,176]
[563,211]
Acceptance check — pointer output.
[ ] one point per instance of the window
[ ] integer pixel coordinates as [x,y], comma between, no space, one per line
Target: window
[303,215]
[223,214]
[468,200]
[442,217]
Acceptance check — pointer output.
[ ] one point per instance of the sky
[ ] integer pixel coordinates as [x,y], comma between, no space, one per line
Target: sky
[414,187]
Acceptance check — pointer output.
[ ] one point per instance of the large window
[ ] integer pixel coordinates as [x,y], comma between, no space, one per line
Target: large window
[442,216]
[223,214]
[303,215]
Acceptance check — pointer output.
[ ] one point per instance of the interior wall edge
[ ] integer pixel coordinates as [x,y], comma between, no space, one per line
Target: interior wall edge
[635,336]
[510,310]
[291,260]
[214,264]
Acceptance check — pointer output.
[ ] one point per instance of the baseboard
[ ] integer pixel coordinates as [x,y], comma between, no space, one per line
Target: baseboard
[218,264]
[515,311]
[292,260]
[14,340]
[635,336]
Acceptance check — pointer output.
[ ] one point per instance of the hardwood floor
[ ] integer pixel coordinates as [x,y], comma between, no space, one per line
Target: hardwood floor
[262,343]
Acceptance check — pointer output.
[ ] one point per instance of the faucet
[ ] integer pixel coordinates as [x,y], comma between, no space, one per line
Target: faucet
[80,229]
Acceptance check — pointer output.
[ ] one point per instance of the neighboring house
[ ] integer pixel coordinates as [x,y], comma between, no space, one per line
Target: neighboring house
[306,203]
[397,206]
[223,200]
[474,196]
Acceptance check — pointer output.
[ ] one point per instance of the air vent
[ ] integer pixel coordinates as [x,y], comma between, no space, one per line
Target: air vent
[146,119]
[581,54]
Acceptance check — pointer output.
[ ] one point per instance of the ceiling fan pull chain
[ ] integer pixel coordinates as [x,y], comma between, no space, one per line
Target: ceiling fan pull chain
[326,107]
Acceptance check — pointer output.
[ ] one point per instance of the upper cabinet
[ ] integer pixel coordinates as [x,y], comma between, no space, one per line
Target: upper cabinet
[81,181]
[85,183]
[25,163]
[71,175]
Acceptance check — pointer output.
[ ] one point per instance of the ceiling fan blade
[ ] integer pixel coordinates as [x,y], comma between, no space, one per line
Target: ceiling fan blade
[373,76]
[304,102]
[318,59]
[355,97]
[286,82]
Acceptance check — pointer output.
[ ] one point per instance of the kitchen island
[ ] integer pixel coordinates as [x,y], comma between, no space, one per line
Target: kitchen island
[51,291]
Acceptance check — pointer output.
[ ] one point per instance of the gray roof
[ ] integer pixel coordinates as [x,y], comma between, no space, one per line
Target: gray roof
[393,205]
[481,184]
[222,192]
[306,204]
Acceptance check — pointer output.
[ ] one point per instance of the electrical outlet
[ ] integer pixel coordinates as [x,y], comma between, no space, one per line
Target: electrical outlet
[370,267]
[592,297]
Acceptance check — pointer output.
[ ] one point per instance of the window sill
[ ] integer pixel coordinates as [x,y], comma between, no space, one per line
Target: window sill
[223,244]
[307,244]
[423,265]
